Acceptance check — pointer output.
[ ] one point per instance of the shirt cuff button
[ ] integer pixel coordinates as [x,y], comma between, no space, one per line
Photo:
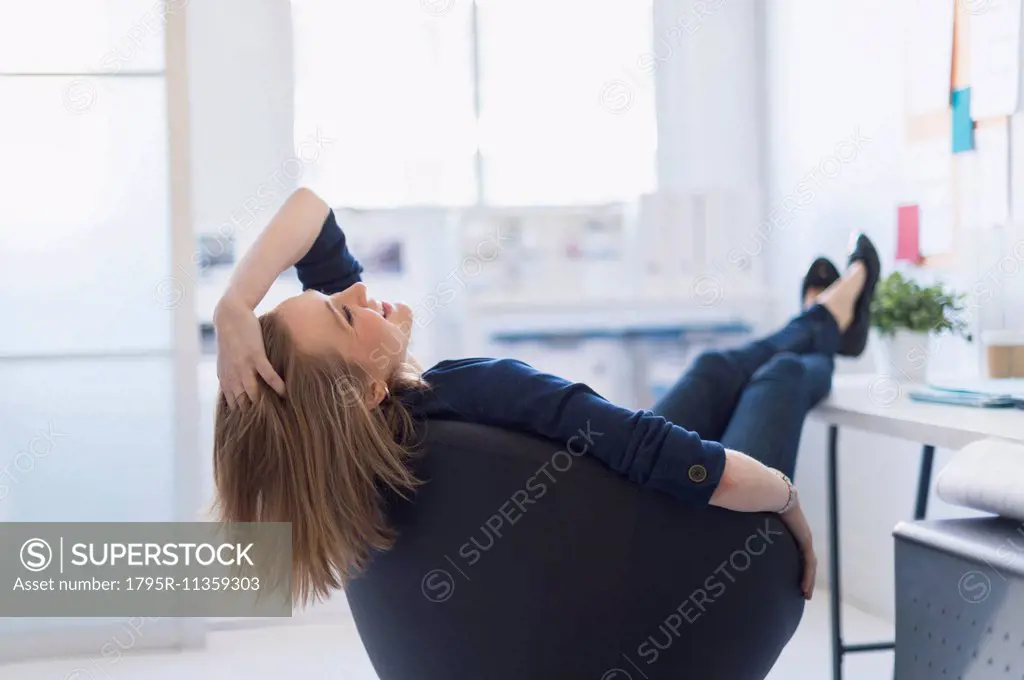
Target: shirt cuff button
[698,473]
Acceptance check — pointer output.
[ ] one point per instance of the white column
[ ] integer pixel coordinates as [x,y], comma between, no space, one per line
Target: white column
[710,93]
[241,89]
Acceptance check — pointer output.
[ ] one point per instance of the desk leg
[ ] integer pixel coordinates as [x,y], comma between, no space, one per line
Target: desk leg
[833,544]
[924,481]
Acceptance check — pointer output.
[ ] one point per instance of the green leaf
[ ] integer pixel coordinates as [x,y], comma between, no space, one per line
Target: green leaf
[902,303]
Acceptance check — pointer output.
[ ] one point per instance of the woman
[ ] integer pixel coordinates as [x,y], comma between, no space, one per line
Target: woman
[320,447]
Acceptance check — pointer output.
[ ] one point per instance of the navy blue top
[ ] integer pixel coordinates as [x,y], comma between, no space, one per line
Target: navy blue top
[642,446]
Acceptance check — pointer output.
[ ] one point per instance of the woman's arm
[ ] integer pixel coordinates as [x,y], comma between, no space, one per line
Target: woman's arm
[241,355]
[282,244]
[644,447]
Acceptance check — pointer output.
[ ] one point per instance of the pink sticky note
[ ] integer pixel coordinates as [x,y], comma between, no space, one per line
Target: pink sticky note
[907,233]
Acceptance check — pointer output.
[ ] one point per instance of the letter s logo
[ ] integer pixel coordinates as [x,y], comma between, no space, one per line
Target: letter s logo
[438,585]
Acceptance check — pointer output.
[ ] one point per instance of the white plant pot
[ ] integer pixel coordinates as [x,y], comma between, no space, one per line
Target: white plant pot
[904,356]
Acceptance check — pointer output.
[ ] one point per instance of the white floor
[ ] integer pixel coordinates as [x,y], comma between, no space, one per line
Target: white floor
[293,651]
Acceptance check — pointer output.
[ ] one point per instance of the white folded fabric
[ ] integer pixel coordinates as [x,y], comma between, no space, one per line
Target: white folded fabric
[987,475]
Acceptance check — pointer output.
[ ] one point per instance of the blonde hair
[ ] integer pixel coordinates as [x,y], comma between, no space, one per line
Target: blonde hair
[320,458]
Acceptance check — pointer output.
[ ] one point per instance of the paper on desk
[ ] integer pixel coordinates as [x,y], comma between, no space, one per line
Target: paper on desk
[987,184]
[995,53]
[948,397]
[1011,387]
[929,55]
[929,183]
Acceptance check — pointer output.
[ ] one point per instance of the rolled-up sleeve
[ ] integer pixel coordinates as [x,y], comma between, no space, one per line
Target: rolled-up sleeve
[646,448]
[328,266]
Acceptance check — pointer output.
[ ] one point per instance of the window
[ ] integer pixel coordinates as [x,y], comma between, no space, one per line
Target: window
[85,209]
[447,102]
[85,36]
[88,351]
[549,132]
[389,84]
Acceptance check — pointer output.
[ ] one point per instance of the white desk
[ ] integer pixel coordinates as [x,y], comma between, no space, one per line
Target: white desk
[879,404]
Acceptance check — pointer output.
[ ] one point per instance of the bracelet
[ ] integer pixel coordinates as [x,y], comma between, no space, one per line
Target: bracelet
[792,492]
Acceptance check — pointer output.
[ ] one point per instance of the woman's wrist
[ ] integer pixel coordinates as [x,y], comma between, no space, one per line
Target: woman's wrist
[747,485]
[791,497]
[229,302]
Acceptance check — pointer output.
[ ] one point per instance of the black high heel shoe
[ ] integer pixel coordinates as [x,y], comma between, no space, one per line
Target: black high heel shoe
[821,274]
[855,339]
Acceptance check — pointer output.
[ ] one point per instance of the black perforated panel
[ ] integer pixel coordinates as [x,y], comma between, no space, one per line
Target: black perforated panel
[960,600]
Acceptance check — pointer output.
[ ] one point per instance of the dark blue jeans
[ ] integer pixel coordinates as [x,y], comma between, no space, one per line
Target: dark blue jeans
[754,398]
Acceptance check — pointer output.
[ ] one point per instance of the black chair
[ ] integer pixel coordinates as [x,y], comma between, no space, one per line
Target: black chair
[517,560]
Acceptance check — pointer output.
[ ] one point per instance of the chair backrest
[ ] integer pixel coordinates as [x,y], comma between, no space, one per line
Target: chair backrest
[518,559]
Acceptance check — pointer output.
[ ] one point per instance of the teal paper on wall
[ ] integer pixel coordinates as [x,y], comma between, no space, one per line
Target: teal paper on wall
[963,126]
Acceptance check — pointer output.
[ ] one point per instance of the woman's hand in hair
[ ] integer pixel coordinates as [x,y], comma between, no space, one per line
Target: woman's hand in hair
[241,356]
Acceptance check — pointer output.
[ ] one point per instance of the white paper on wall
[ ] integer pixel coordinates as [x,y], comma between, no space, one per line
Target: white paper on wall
[928,174]
[987,185]
[1016,134]
[995,54]
[929,55]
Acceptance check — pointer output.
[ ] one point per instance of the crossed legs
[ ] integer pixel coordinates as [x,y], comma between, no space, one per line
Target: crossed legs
[754,398]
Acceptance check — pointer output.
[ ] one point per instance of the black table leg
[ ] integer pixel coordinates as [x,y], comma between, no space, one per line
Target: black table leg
[833,544]
[924,481]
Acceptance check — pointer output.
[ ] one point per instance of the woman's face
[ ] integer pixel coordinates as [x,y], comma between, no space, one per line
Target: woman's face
[368,332]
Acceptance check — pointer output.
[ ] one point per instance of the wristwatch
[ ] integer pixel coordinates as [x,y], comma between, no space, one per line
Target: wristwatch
[792,492]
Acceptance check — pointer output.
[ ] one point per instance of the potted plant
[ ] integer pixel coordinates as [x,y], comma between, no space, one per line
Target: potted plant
[906,315]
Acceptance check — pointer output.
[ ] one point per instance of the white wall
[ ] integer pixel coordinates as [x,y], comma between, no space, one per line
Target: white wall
[836,74]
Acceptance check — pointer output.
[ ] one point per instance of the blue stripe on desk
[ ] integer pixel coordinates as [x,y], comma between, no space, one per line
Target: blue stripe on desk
[632,332]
